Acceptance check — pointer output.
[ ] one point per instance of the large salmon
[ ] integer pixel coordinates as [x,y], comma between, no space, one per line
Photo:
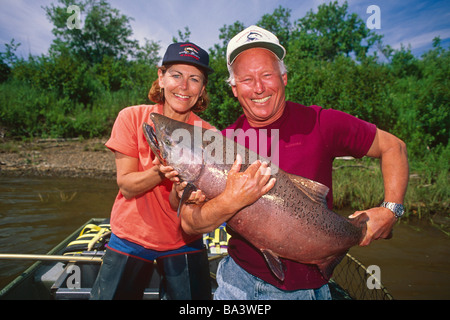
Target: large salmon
[291,221]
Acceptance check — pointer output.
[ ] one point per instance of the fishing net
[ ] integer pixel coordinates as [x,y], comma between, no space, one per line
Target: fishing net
[357,282]
[350,277]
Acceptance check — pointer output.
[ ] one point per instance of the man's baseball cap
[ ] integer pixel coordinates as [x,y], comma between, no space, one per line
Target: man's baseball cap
[189,53]
[254,37]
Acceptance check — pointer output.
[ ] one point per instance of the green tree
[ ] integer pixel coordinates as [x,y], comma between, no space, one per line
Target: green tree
[88,75]
[8,59]
[104,32]
[404,63]
[182,36]
[434,95]
[278,23]
[224,107]
[99,55]
[5,71]
[331,32]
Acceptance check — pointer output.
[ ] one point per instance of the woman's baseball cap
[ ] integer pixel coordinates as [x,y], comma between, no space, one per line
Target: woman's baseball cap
[189,53]
[254,37]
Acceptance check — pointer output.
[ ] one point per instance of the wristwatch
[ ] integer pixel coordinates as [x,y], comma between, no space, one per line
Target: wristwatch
[396,208]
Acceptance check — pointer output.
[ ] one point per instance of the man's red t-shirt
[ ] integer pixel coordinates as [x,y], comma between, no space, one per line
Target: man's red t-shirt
[309,140]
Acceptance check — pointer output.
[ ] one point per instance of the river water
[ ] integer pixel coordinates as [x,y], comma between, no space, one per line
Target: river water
[38,213]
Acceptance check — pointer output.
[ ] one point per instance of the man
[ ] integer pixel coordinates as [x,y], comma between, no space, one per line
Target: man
[309,139]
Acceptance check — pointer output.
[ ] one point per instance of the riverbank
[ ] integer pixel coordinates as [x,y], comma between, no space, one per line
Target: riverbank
[77,158]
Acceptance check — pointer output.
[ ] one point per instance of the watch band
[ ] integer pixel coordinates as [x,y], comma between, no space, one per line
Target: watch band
[396,208]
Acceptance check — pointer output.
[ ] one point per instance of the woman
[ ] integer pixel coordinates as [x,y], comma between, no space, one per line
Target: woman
[144,224]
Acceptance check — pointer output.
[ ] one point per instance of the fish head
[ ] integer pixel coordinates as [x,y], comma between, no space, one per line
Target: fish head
[153,142]
[172,142]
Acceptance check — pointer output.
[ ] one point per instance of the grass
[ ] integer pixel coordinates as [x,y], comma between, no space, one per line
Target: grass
[358,185]
[62,196]
[9,147]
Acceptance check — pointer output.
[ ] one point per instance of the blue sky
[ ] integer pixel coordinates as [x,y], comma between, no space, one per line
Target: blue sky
[412,22]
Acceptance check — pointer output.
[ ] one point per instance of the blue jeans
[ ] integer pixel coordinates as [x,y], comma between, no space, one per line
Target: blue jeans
[237,284]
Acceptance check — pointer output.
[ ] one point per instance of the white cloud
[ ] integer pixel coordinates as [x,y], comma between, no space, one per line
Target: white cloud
[421,41]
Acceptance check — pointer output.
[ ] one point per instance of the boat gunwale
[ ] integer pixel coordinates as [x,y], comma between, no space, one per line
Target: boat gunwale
[30,271]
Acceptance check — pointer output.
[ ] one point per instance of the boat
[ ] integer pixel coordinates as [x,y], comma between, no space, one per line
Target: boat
[68,271]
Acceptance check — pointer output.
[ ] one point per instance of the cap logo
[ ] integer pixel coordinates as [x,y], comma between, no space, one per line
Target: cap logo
[189,51]
[253,36]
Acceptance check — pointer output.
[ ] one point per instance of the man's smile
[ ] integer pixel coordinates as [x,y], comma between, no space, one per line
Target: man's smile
[262,100]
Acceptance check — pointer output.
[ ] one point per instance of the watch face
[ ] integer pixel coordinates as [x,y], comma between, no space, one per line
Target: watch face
[396,208]
[399,210]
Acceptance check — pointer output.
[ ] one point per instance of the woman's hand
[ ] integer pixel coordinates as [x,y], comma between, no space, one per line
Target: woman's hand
[167,171]
[196,197]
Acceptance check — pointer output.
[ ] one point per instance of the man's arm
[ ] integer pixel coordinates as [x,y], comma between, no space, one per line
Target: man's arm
[242,189]
[395,170]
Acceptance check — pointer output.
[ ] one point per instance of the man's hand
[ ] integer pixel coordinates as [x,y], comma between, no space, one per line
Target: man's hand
[244,188]
[379,226]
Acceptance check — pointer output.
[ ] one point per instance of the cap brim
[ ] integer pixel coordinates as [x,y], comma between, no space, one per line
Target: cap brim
[208,69]
[279,51]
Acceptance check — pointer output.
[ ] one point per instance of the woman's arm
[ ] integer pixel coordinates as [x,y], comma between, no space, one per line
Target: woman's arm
[133,182]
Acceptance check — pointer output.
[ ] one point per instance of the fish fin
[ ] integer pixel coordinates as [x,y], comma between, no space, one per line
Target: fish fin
[326,268]
[360,222]
[314,190]
[274,262]
[185,196]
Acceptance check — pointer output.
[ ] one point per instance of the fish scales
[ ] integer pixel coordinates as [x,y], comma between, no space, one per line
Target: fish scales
[291,221]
